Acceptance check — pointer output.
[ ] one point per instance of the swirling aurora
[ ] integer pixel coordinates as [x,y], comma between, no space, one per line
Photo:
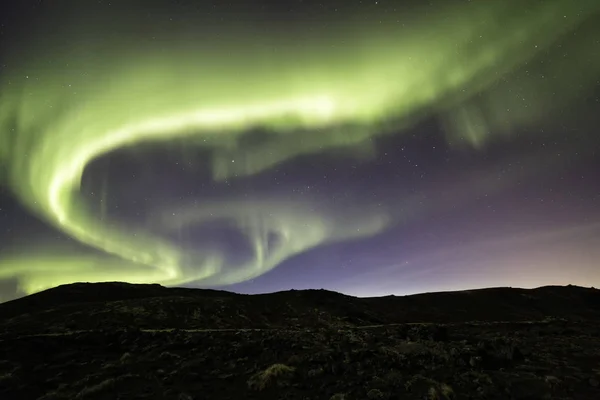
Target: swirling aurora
[70,98]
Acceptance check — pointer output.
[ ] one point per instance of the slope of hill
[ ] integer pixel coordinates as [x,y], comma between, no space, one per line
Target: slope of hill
[117,340]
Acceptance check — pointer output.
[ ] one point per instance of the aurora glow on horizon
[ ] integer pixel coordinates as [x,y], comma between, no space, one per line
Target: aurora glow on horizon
[70,98]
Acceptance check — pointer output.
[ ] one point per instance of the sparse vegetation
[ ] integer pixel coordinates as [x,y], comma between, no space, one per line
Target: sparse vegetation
[441,392]
[125,358]
[103,386]
[375,394]
[276,374]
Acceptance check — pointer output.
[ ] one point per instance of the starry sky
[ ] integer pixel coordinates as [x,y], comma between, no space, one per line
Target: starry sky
[367,147]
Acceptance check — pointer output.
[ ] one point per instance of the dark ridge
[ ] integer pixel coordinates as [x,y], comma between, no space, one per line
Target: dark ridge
[84,306]
[117,340]
[84,292]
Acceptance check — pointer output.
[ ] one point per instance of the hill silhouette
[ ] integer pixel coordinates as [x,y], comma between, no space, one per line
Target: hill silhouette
[118,340]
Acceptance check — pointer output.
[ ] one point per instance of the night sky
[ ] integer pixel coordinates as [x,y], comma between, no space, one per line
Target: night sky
[367,147]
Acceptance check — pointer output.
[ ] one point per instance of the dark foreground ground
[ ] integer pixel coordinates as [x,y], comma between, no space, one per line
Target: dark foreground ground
[119,341]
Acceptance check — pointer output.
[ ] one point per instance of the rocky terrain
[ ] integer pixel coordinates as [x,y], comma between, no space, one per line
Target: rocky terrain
[121,341]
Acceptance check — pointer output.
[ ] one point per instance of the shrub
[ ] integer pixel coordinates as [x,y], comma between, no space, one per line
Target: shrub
[275,374]
[441,392]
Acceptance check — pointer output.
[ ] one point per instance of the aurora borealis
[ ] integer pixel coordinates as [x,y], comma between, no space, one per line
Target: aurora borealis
[186,143]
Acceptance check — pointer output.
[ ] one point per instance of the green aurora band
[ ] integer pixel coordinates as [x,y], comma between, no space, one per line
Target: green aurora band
[63,105]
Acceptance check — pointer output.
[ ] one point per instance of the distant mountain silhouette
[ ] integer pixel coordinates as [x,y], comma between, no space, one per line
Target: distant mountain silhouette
[116,304]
